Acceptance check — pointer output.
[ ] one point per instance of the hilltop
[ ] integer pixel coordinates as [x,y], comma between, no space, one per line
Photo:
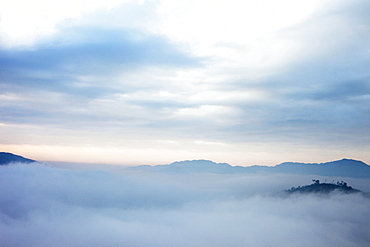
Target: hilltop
[7,158]
[323,188]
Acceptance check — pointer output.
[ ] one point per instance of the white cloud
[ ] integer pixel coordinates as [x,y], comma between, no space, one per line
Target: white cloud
[209,22]
[24,23]
[238,34]
[228,97]
[205,111]
[43,206]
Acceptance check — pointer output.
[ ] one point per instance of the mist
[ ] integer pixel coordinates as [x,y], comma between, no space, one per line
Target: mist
[47,206]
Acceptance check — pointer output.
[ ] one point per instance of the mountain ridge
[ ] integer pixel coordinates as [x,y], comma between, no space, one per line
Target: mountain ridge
[343,167]
[8,158]
[340,168]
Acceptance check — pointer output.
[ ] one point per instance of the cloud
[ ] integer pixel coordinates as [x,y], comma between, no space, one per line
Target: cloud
[246,74]
[25,23]
[83,69]
[322,91]
[44,206]
[84,51]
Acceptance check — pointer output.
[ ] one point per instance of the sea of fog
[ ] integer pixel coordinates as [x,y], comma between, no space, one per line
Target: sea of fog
[48,206]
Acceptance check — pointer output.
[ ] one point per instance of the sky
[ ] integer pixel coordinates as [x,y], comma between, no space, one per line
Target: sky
[46,206]
[152,82]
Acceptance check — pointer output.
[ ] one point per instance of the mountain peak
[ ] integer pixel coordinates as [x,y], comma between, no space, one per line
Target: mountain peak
[7,158]
[200,162]
[323,188]
[188,166]
[340,168]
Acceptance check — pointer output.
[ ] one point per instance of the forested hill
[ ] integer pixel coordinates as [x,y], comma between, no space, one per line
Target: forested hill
[323,188]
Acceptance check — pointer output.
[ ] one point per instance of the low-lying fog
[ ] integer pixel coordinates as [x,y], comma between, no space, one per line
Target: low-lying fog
[46,206]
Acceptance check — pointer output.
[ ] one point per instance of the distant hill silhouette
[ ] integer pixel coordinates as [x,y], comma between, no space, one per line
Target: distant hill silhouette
[188,166]
[324,188]
[339,168]
[7,158]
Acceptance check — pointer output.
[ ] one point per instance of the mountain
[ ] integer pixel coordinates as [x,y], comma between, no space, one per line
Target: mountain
[187,166]
[339,168]
[324,188]
[7,158]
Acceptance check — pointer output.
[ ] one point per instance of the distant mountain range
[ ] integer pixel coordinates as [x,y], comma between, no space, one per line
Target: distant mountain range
[7,158]
[339,168]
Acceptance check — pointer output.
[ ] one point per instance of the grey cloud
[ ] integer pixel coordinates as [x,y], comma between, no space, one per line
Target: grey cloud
[336,44]
[320,94]
[44,206]
[325,89]
[56,67]
[80,51]
[87,48]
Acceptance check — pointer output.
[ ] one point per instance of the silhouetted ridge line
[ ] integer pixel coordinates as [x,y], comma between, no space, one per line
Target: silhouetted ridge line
[323,188]
[7,158]
[339,168]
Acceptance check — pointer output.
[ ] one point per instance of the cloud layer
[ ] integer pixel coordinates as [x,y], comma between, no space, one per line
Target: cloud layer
[44,206]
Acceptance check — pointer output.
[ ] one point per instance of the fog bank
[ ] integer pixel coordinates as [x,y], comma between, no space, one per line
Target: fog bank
[45,206]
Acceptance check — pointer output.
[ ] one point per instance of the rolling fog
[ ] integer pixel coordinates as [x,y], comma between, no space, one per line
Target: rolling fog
[46,206]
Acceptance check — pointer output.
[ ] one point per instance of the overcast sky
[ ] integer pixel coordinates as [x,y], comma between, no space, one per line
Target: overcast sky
[151,82]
